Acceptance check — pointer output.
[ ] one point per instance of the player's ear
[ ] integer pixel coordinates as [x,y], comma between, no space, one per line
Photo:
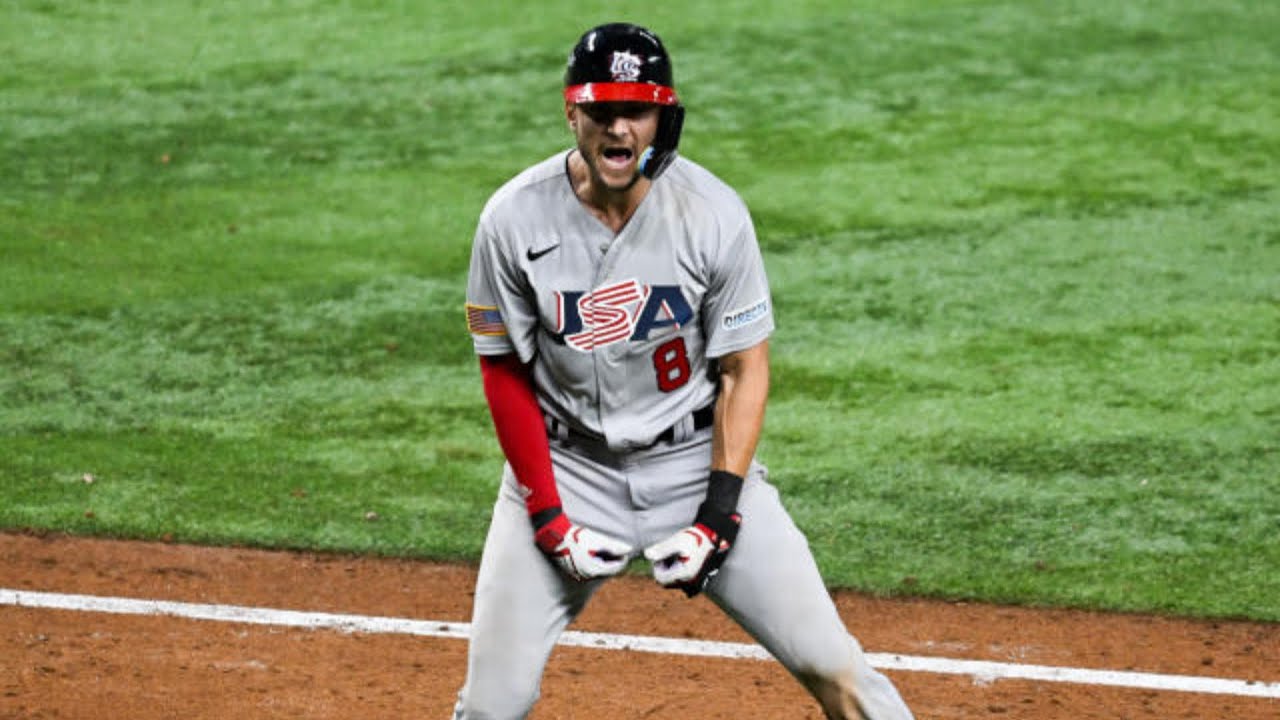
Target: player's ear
[571,115]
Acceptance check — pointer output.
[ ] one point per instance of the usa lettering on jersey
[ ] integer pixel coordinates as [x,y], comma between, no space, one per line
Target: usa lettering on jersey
[621,311]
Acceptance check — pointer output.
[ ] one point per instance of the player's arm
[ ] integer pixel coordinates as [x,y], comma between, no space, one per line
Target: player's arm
[690,558]
[522,434]
[517,419]
[739,418]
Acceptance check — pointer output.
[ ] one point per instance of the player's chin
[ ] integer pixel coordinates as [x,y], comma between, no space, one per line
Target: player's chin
[621,183]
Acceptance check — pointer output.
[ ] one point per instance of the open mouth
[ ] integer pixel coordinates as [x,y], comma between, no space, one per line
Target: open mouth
[617,155]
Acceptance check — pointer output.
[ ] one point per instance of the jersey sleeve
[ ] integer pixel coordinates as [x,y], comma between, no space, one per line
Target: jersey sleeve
[500,318]
[738,309]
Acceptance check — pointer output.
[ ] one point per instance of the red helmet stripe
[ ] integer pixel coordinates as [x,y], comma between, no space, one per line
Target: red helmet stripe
[621,92]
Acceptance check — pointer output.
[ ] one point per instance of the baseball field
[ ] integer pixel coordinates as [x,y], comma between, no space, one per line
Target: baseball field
[1025,260]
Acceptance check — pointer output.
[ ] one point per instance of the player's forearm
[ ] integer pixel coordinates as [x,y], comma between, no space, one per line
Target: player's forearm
[739,419]
[517,419]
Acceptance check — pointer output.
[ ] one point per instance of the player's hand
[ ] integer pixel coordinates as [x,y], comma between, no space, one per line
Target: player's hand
[580,552]
[690,558]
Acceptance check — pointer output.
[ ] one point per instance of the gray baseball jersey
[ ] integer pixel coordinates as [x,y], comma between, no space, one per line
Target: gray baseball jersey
[625,327]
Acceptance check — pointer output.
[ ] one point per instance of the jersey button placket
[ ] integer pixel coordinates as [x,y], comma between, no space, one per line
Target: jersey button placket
[606,392]
[610,382]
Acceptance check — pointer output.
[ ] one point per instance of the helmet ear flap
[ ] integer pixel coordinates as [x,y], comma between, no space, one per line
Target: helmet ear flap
[663,151]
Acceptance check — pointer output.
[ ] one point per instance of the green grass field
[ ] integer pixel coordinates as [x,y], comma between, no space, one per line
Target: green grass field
[1025,257]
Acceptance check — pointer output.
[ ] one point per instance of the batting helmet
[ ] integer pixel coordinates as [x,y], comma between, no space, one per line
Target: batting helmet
[620,62]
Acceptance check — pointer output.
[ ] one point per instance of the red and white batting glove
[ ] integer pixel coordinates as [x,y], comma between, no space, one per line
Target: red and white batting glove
[580,552]
[690,558]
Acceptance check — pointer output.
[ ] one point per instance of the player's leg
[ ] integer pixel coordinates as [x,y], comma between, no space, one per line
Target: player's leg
[771,586]
[522,604]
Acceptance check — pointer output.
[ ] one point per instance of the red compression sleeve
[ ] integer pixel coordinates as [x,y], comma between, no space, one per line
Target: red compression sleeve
[508,386]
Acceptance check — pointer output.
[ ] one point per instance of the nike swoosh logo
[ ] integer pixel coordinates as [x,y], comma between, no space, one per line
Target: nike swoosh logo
[535,254]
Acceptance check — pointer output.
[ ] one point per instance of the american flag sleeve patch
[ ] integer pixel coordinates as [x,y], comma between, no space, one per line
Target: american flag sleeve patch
[485,320]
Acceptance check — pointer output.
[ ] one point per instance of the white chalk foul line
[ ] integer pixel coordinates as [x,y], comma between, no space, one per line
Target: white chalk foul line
[981,671]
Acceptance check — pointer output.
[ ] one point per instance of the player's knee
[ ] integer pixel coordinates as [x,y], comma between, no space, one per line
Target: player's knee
[835,665]
[836,693]
[856,693]
[835,680]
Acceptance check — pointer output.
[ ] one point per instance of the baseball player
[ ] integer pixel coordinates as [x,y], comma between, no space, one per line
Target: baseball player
[619,305]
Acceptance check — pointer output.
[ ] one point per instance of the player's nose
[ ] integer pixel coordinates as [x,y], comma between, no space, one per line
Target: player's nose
[618,125]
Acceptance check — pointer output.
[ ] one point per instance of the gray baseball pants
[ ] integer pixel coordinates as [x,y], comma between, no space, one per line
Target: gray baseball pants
[769,584]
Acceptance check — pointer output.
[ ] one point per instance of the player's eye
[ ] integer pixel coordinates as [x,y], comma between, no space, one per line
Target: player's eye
[604,113]
[600,113]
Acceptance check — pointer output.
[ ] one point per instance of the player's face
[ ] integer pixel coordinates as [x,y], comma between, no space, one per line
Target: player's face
[611,137]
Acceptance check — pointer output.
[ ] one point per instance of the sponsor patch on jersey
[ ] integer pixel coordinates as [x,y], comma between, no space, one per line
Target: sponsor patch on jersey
[485,320]
[735,319]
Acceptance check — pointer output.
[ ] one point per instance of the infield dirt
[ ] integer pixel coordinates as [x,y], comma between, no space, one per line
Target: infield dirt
[69,664]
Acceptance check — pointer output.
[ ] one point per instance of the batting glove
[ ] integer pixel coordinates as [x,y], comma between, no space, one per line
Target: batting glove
[581,553]
[690,558]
